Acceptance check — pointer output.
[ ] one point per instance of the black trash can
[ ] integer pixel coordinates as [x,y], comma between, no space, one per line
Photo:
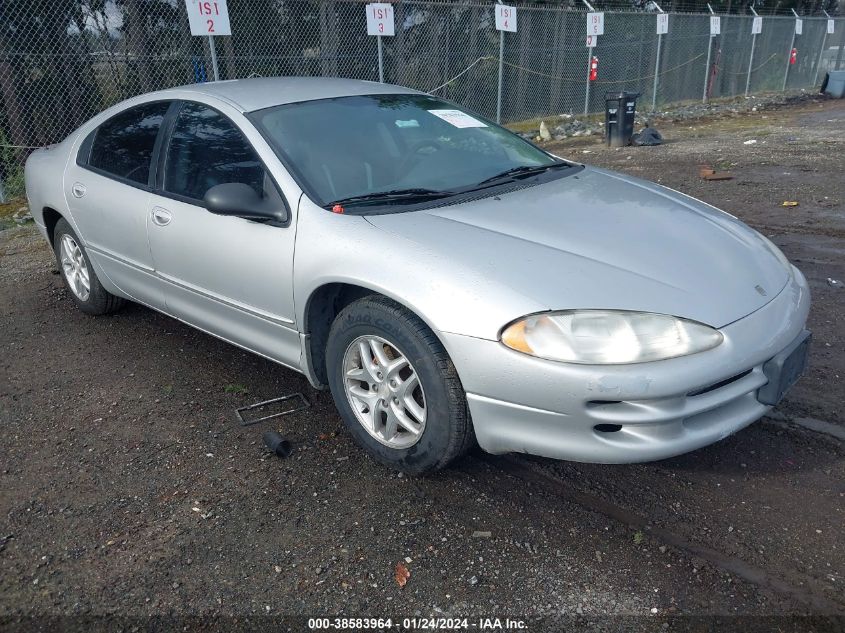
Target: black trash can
[619,111]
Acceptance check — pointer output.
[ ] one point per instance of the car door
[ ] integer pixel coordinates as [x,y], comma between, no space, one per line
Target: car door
[227,275]
[108,190]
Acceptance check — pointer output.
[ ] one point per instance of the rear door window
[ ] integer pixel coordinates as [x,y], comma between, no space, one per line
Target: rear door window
[123,145]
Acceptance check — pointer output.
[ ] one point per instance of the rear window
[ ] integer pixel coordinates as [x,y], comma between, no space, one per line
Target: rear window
[123,145]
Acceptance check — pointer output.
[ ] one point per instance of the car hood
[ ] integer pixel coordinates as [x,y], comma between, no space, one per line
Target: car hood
[604,241]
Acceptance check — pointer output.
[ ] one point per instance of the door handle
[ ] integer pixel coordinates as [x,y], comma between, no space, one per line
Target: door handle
[77,189]
[161,217]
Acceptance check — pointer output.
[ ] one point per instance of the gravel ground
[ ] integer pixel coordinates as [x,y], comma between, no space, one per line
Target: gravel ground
[130,490]
[569,125]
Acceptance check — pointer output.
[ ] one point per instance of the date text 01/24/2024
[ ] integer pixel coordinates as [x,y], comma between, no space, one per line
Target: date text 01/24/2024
[417,624]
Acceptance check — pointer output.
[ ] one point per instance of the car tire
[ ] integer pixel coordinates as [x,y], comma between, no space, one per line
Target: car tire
[446,429]
[76,270]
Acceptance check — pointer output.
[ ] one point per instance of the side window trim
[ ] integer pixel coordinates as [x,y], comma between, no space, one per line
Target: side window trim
[84,153]
[88,144]
[161,160]
[162,144]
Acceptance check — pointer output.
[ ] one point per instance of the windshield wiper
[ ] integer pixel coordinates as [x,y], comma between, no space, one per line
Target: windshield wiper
[404,195]
[523,171]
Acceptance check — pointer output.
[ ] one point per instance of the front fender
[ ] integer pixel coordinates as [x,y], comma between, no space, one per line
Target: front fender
[336,248]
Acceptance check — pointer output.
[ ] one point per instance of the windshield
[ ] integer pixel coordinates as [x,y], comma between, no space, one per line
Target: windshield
[354,150]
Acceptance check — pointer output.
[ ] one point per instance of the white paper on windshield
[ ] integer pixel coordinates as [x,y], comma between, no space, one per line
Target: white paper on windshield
[458,118]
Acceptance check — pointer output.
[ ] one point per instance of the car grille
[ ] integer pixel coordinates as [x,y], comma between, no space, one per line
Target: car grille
[663,417]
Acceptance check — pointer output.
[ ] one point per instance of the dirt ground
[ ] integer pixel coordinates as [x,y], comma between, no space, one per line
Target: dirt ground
[128,489]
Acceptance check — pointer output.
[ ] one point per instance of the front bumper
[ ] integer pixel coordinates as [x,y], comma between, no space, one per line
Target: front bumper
[626,413]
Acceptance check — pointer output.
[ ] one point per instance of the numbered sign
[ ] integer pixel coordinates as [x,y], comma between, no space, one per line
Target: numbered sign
[715,25]
[595,24]
[799,27]
[830,27]
[208,17]
[592,41]
[757,26]
[662,23]
[505,18]
[380,19]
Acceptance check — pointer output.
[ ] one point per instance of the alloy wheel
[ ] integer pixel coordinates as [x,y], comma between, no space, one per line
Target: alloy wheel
[384,391]
[75,268]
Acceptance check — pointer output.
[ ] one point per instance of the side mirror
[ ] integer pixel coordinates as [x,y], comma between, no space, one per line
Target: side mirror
[242,201]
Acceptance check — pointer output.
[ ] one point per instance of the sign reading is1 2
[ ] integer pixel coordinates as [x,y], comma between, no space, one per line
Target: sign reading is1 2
[208,17]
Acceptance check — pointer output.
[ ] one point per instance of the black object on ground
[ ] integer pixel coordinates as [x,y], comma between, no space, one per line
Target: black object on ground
[647,137]
[834,84]
[277,444]
[620,108]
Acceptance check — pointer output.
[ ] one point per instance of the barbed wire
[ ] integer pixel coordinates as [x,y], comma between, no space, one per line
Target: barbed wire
[462,73]
[595,82]
[756,68]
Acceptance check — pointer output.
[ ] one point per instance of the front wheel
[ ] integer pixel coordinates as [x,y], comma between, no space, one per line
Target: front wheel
[396,387]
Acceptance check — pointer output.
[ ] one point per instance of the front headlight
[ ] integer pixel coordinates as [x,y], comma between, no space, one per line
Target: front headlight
[608,336]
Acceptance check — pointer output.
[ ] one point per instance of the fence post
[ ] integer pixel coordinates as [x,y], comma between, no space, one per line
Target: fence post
[501,69]
[213,52]
[380,60]
[589,61]
[587,90]
[656,75]
[750,64]
[789,54]
[821,52]
[751,57]
[709,53]
[656,67]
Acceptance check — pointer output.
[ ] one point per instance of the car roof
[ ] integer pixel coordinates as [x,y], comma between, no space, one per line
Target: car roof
[263,92]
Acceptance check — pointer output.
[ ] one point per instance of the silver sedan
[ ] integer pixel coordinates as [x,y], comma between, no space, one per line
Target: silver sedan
[450,282]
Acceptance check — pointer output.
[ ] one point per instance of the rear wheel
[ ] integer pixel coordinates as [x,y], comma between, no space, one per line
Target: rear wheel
[396,388]
[78,274]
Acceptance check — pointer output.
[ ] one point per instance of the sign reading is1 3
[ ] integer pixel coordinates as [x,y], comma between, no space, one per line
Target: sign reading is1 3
[380,19]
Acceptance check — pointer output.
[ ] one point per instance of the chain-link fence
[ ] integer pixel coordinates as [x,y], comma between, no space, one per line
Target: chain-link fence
[61,61]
